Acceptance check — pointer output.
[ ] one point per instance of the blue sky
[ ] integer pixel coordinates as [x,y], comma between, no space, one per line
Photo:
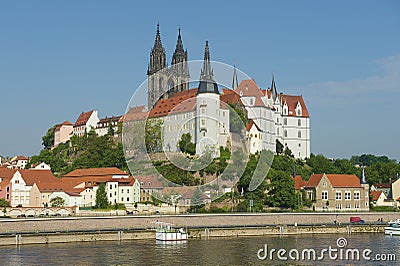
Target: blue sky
[59,58]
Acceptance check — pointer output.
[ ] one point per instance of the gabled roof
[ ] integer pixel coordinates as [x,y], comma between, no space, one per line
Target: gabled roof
[299,183]
[291,101]
[375,195]
[6,175]
[36,176]
[337,180]
[83,118]
[249,88]
[250,124]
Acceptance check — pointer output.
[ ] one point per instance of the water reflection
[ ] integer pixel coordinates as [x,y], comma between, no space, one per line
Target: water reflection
[216,251]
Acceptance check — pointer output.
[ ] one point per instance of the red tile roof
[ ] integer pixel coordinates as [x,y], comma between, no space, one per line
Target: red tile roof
[250,124]
[95,172]
[65,123]
[35,176]
[292,101]
[180,102]
[337,180]
[299,183]
[249,88]
[150,181]
[83,118]
[380,185]
[230,96]
[375,195]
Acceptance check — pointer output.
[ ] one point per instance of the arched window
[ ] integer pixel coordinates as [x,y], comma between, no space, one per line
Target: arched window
[285,121]
[285,133]
[299,134]
[299,122]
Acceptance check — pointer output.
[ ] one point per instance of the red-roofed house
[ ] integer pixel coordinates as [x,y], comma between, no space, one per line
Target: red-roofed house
[63,133]
[85,122]
[337,192]
[254,137]
[379,199]
[120,187]
[18,162]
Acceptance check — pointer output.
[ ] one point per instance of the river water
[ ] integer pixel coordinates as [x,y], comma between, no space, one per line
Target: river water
[215,251]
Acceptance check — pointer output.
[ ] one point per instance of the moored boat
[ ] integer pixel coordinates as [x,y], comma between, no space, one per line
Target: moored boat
[393,228]
[167,232]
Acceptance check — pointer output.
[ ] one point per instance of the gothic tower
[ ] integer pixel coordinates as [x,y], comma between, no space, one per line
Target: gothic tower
[156,71]
[179,72]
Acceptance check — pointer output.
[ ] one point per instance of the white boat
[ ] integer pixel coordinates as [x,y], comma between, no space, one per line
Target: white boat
[393,228]
[167,232]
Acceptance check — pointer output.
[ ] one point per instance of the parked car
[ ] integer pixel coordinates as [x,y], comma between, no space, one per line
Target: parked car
[21,216]
[356,219]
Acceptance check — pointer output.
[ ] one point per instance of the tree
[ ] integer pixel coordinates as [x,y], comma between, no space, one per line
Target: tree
[4,203]
[281,192]
[288,152]
[111,130]
[101,197]
[48,139]
[197,200]
[185,144]
[153,135]
[237,119]
[279,147]
[57,202]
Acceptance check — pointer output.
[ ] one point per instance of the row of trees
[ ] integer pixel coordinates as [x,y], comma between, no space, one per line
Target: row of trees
[88,151]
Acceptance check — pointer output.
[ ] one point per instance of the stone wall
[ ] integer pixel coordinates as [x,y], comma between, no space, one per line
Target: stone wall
[41,225]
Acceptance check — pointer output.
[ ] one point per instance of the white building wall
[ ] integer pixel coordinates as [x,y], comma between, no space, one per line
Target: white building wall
[175,125]
[207,115]
[20,191]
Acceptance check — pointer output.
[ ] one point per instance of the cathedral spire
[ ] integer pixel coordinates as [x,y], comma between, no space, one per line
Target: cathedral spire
[273,89]
[235,80]
[157,55]
[179,55]
[207,72]
[363,177]
[207,83]
[157,41]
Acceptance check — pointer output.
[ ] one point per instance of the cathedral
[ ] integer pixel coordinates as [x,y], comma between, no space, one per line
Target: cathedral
[271,117]
[166,79]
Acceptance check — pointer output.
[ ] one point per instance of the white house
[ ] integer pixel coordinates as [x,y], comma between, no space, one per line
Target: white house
[70,198]
[253,133]
[85,122]
[40,166]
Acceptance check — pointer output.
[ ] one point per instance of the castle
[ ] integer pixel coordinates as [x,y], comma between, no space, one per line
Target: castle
[203,112]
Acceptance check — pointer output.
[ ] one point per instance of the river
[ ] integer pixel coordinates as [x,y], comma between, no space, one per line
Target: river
[215,251]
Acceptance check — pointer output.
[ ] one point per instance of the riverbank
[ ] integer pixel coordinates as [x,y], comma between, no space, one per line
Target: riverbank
[73,229]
